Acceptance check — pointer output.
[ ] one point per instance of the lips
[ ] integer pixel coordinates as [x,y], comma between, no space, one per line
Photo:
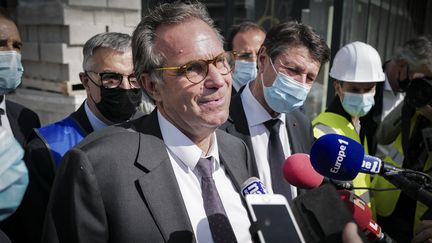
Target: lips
[211,101]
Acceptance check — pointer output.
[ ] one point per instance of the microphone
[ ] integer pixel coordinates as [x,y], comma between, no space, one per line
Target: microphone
[298,171]
[342,158]
[362,215]
[253,185]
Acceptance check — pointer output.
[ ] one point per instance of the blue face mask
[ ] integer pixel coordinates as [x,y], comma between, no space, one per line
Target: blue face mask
[285,94]
[243,73]
[11,71]
[358,105]
[13,174]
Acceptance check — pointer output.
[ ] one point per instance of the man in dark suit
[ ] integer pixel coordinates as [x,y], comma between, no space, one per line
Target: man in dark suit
[113,95]
[13,117]
[288,63]
[15,120]
[245,40]
[170,176]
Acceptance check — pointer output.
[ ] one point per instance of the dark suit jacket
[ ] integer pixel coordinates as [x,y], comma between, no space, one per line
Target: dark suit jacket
[42,171]
[22,121]
[31,213]
[118,185]
[298,126]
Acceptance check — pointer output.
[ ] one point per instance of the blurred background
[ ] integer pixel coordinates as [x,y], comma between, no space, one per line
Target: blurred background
[54,31]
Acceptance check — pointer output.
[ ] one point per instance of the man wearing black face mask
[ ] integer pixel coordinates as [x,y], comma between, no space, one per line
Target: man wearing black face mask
[113,95]
[413,59]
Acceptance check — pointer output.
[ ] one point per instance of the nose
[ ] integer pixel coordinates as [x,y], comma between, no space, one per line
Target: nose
[215,79]
[125,83]
[301,78]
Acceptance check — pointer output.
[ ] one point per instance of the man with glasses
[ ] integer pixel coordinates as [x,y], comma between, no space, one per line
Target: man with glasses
[245,41]
[171,176]
[266,113]
[113,95]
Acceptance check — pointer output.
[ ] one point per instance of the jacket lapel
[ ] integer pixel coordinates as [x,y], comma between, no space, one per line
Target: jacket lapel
[240,127]
[158,185]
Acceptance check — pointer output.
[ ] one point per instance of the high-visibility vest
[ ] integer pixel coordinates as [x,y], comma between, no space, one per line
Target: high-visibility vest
[332,123]
[385,201]
[61,136]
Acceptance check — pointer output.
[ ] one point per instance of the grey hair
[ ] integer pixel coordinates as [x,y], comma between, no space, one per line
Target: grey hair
[416,52]
[145,57]
[117,41]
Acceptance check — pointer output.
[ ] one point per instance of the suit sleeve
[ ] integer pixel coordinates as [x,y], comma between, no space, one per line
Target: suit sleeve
[75,211]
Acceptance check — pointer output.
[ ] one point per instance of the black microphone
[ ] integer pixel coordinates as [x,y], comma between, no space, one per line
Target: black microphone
[411,188]
[342,158]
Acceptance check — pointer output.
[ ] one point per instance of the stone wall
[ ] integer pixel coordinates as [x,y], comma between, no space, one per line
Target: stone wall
[53,34]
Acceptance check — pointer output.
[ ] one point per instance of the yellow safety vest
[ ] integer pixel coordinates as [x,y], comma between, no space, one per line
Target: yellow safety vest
[332,123]
[385,201]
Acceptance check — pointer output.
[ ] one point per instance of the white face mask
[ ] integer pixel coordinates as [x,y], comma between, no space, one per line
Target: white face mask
[13,174]
[11,71]
[358,105]
[244,72]
[285,94]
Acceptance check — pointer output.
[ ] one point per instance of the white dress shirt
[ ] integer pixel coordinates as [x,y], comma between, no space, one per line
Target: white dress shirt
[390,99]
[256,115]
[184,156]
[4,120]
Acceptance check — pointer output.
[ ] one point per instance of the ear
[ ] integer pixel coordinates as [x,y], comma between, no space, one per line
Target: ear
[84,80]
[261,58]
[338,88]
[151,87]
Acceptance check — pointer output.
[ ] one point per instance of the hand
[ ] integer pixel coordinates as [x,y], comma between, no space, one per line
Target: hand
[350,234]
[423,232]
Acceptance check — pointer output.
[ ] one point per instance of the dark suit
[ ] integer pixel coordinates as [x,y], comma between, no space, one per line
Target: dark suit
[298,126]
[121,187]
[22,121]
[40,164]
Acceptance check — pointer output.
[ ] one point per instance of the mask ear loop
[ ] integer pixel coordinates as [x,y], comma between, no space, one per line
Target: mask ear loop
[100,87]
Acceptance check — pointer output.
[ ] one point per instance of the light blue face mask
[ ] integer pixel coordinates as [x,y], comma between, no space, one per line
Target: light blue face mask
[13,174]
[11,71]
[358,105]
[243,73]
[285,94]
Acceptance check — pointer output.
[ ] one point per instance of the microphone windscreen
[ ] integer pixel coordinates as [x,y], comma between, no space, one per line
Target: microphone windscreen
[337,157]
[321,214]
[298,171]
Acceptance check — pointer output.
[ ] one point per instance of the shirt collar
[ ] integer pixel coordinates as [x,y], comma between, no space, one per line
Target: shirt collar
[387,86]
[255,112]
[95,122]
[182,147]
[3,104]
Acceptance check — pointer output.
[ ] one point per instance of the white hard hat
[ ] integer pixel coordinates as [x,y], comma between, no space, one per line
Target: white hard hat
[357,62]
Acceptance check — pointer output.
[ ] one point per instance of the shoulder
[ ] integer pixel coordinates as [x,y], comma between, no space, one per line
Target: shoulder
[20,110]
[229,141]
[109,136]
[299,115]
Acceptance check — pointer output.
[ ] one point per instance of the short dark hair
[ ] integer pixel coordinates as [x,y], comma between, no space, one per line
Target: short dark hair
[6,15]
[242,27]
[287,34]
[145,56]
